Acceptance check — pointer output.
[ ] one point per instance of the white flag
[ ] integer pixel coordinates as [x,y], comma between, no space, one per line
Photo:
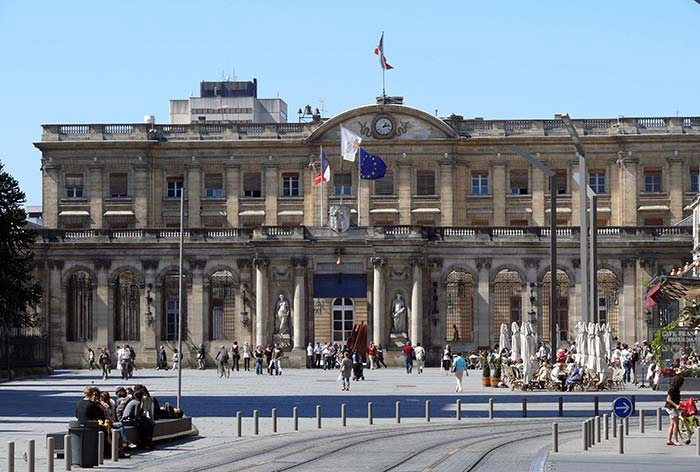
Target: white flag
[349,144]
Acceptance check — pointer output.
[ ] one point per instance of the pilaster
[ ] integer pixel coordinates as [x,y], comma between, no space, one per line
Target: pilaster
[193,193]
[261,295]
[197,319]
[140,195]
[447,177]
[233,182]
[499,188]
[416,332]
[405,185]
[95,193]
[271,192]
[49,194]
[378,321]
[538,191]
[103,324]
[482,326]
[299,304]
[675,187]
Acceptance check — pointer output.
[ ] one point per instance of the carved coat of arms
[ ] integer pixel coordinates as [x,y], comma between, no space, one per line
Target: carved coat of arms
[339,218]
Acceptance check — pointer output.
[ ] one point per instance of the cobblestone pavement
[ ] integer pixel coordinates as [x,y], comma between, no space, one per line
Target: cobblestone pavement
[32,407]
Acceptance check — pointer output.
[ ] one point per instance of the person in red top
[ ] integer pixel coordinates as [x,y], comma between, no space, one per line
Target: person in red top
[372,353]
[408,356]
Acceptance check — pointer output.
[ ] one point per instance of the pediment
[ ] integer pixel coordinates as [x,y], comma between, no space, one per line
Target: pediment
[406,123]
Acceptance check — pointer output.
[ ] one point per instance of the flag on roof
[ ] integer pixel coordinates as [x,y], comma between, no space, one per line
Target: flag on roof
[349,144]
[379,51]
[325,174]
[372,167]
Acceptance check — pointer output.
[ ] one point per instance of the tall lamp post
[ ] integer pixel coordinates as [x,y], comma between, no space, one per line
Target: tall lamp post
[179,300]
[554,290]
[593,249]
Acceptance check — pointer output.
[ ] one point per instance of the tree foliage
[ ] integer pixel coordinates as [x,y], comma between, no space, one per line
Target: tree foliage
[18,291]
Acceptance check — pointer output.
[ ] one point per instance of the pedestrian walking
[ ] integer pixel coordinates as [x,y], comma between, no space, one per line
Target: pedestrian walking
[236,356]
[357,367]
[91,358]
[380,357]
[447,359]
[309,356]
[259,360]
[162,359]
[345,370]
[419,354]
[277,355]
[317,355]
[222,362]
[200,357]
[246,356]
[408,356]
[372,354]
[268,358]
[673,400]
[459,367]
[176,360]
[104,362]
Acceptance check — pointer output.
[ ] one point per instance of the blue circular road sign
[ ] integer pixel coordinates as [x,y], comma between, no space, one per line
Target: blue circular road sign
[622,407]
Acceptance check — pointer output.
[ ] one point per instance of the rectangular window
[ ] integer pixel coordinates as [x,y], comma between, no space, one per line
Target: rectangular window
[515,309]
[652,180]
[252,184]
[385,185]
[290,185]
[694,181]
[175,185]
[342,184]
[74,185]
[425,182]
[480,182]
[518,182]
[119,185]
[214,185]
[596,180]
[560,181]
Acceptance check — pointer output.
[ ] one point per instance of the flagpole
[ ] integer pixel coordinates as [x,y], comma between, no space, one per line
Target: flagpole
[359,183]
[322,178]
[383,61]
[340,168]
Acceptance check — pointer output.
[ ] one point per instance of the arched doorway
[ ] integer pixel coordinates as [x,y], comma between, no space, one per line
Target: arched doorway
[343,319]
[608,299]
[459,323]
[507,289]
[562,317]
[222,306]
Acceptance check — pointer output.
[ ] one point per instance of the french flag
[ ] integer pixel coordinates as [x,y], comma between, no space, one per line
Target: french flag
[379,51]
[325,174]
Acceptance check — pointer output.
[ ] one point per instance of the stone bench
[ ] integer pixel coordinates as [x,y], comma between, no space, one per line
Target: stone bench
[163,430]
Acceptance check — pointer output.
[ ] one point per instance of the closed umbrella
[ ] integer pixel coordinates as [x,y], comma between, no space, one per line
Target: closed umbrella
[579,342]
[591,348]
[583,347]
[504,340]
[601,365]
[528,351]
[607,339]
[515,345]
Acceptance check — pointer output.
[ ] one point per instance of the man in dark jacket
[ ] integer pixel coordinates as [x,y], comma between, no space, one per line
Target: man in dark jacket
[162,359]
[222,362]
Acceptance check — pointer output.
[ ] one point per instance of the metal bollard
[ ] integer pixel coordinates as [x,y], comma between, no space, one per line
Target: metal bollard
[658,419]
[274,420]
[490,408]
[100,447]
[614,425]
[620,440]
[427,411]
[239,424]
[115,445]
[398,412]
[584,436]
[50,447]
[591,431]
[595,405]
[30,455]
[295,417]
[370,413]
[256,422]
[524,407]
[11,456]
[561,406]
[459,409]
[597,429]
[555,437]
[343,415]
[318,416]
[641,421]
[606,421]
[698,443]
[634,403]
[627,426]
[67,452]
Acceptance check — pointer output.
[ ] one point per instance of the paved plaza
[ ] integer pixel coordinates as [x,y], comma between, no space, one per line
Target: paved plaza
[33,407]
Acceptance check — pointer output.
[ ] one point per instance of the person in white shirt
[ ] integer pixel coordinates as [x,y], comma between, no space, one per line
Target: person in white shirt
[625,355]
[419,352]
[310,356]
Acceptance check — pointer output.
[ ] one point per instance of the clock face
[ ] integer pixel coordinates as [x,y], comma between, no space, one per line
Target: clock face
[384,126]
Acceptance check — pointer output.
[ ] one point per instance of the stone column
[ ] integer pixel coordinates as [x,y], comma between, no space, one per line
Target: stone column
[139,192]
[462,183]
[532,265]
[675,187]
[149,309]
[271,192]
[245,326]
[645,271]
[499,187]
[233,183]
[539,183]
[299,304]
[575,197]
[628,305]
[446,191]
[405,186]
[378,321]
[612,187]
[261,296]
[56,322]
[197,318]
[416,331]
[193,193]
[103,321]
[311,196]
[482,323]
[49,194]
[95,195]
[628,190]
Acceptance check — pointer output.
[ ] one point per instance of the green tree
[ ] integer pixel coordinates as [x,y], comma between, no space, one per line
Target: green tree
[18,291]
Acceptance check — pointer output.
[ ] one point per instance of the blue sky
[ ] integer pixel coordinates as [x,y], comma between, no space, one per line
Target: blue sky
[111,62]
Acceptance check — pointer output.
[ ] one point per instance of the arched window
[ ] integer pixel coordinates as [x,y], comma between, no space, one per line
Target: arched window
[79,309]
[607,299]
[507,288]
[170,307]
[222,305]
[563,285]
[127,322]
[343,319]
[460,307]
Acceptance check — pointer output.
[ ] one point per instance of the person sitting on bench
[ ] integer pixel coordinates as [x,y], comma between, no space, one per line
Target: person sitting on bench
[134,415]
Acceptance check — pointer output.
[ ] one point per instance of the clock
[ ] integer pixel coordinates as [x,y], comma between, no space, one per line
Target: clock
[383,126]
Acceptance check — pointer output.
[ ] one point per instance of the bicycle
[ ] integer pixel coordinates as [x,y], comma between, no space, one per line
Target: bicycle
[688,420]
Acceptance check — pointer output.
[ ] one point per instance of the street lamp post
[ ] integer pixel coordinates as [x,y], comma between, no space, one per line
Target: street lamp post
[593,250]
[179,301]
[554,290]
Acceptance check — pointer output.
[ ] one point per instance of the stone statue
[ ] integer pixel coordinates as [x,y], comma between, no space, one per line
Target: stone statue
[339,218]
[282,311]
[399,315]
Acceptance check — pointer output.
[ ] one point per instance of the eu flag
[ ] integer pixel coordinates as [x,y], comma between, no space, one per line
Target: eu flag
[371,167]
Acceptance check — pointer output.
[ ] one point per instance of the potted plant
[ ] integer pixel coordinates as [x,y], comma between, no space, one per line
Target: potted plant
[485,371]
[496,372]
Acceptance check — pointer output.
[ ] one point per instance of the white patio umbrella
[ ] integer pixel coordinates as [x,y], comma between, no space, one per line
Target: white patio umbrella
[607,340]
[582,348]
[515,345]
[528,352]
[601,365]
[592,333]
[504,340]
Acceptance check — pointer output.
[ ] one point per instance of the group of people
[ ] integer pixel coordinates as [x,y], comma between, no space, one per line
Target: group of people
[126,361]
[223,356]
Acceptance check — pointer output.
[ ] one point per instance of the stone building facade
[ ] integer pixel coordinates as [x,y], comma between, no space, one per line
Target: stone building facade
[457,228]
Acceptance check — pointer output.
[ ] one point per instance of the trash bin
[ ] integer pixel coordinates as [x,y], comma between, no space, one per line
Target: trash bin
[83,437]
